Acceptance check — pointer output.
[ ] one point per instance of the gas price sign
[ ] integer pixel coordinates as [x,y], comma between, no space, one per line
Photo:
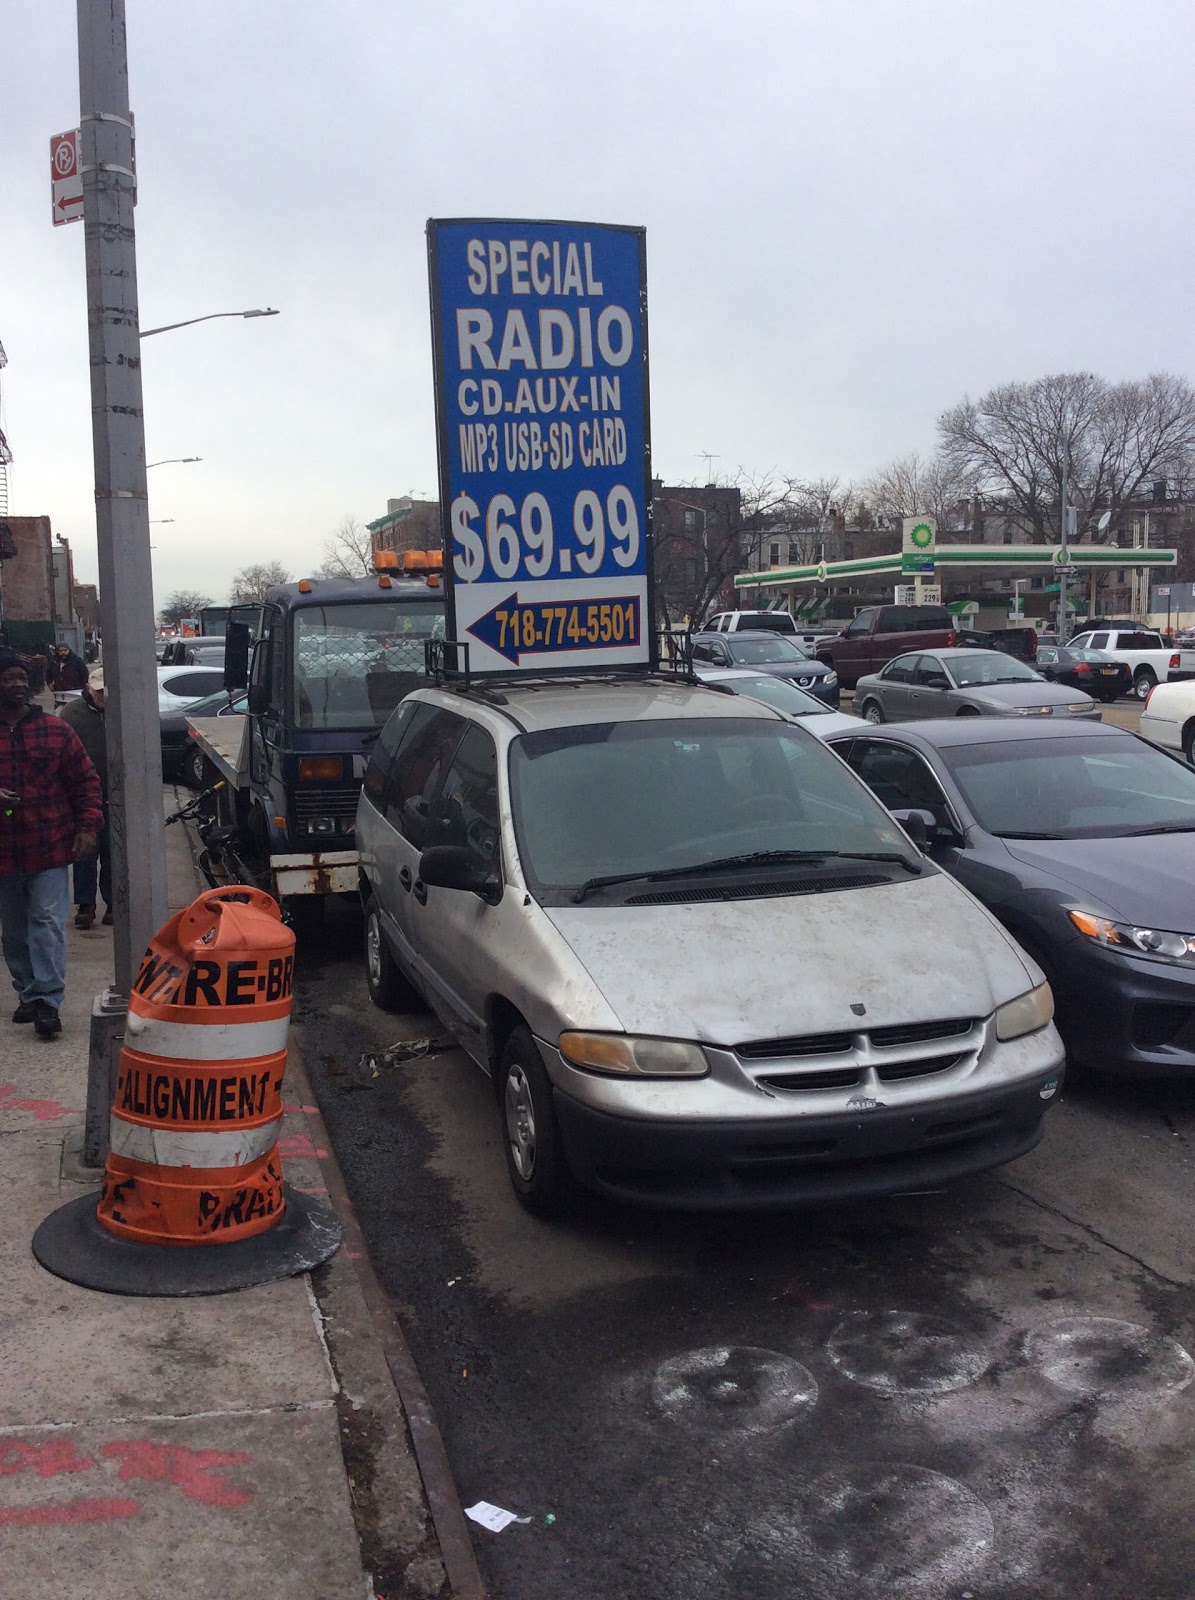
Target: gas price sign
[540,340]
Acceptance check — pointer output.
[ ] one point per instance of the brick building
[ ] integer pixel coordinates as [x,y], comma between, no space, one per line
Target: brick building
[27,607]
[698,548]
[408,525]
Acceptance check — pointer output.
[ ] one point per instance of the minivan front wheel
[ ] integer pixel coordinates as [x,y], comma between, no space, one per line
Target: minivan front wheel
[535,1157]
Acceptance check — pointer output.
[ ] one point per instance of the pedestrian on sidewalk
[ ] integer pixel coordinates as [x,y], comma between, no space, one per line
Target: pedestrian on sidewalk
[50,815]
[66,670]
[86,717]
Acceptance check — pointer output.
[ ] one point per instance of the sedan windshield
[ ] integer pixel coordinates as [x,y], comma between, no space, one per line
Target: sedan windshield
[609,799]
[988,666]
[777,692]
[754,652]
[1074,788]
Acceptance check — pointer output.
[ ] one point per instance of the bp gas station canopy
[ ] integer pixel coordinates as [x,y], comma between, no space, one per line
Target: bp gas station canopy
[937,563]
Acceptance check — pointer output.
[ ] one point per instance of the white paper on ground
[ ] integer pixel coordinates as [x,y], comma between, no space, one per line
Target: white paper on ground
[492,1517]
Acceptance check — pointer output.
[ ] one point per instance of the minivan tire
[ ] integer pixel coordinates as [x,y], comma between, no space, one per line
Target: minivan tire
[535,1158]
[388,988]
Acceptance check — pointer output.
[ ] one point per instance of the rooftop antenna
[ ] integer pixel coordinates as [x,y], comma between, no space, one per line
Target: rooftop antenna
[705,456]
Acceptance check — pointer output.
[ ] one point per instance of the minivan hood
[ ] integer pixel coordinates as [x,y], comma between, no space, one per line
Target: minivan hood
[1145,881]
[919,950]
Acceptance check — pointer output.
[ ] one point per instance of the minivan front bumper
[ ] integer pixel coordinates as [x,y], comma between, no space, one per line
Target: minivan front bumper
[743,1165]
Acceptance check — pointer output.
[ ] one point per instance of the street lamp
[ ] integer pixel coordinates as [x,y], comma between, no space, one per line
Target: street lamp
[171,460]
[211,316]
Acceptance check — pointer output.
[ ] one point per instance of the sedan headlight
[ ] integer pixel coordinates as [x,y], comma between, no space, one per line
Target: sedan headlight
[1079,707]
[1032,711]
[830,681]
[1026,1014]
[1131,940]
[624,1056]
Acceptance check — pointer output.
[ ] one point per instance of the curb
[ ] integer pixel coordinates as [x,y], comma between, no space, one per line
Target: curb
[431,1458]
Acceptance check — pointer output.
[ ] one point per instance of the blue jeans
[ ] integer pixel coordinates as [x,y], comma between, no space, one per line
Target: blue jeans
[98,864]
[33,908]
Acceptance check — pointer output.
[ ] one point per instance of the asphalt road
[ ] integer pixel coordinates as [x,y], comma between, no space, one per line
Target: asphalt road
[984,1392]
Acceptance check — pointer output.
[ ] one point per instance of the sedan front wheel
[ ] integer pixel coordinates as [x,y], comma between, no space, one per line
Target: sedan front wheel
[873,712]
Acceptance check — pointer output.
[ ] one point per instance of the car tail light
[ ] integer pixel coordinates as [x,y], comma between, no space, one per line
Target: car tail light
[951,639]
[1176,660]
[1082,666]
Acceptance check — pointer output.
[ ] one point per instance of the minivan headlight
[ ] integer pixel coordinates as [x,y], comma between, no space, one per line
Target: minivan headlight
[1026,1014]
[621,1055]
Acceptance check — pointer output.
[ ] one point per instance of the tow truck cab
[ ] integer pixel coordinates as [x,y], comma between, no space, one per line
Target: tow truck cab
[332,659]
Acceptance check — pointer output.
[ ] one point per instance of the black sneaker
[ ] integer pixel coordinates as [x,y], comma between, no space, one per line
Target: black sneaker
[107,918]
[45,1019]
[85,917]
[25,1012]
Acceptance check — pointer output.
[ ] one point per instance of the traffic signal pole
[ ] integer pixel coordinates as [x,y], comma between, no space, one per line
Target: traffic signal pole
[122,527]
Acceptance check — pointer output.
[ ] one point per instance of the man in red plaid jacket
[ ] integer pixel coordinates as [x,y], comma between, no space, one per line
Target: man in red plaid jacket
[50,814]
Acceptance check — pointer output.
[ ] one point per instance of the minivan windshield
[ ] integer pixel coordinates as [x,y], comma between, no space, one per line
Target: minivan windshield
[354,662]
[614,798]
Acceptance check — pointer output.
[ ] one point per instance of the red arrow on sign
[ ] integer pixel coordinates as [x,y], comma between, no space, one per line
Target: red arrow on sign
[74,200]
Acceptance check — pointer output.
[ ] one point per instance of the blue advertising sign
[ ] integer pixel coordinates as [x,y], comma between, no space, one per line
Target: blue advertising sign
[539,333]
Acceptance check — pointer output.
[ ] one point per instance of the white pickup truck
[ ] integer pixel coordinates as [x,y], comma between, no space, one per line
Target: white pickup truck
[1150,659]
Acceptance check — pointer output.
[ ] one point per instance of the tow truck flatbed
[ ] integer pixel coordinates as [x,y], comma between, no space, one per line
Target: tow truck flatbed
[224,743]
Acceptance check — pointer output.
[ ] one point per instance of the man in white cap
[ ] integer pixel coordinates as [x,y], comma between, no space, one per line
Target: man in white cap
[86,717]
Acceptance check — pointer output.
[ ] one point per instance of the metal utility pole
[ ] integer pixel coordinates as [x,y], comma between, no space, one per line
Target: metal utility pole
[1064,559]
[122,528]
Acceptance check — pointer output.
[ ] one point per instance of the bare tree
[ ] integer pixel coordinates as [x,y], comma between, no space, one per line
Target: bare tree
[254,581]
[182,603]
[1109,441]
[348,551]
[914,486]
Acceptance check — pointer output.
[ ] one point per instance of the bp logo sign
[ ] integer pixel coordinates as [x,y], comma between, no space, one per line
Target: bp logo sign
[921,537]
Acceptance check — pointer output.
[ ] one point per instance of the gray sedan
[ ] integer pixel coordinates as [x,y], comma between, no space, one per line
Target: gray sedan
[965,683]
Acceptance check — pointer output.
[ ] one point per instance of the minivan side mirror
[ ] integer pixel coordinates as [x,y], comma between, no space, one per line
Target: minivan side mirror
[451,866]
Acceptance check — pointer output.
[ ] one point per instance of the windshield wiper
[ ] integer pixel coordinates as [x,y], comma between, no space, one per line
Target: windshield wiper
[1157,827]
[1008,834]
[756,858]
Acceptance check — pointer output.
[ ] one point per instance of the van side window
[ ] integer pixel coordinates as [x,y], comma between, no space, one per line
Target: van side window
[381,761]
[465,812]
[429,744]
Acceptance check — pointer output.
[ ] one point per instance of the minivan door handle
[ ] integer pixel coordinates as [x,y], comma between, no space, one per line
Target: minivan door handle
[404,877]
[421,891]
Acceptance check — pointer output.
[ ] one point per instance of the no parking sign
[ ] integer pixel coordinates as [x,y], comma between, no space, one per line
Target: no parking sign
[539,334]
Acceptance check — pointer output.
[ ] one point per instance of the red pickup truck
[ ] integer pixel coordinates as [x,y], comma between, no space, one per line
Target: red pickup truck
[881,633]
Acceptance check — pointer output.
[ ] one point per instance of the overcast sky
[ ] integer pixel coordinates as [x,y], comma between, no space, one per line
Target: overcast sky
[857,211]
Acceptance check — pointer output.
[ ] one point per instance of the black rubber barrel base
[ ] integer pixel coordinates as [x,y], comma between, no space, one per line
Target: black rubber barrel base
[71,1244]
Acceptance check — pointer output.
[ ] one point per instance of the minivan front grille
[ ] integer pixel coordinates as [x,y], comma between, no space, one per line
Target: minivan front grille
[908,1035]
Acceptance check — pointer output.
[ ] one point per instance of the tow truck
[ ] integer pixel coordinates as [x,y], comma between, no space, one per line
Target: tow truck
[322,662]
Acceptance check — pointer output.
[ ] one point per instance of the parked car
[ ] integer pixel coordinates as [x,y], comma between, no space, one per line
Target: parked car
[767,652]
[879,633]
[181,756]
[797,704]
[1150,659]
[1090,670]
[1081,839]
[964,683]
[1019,642]
[1168,718]
[702,965]
[178,688]
[752,621]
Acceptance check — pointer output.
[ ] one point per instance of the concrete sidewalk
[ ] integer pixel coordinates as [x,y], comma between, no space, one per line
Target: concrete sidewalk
[168,1449]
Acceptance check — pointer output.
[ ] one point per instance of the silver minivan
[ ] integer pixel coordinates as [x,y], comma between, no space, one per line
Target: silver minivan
[701,963]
